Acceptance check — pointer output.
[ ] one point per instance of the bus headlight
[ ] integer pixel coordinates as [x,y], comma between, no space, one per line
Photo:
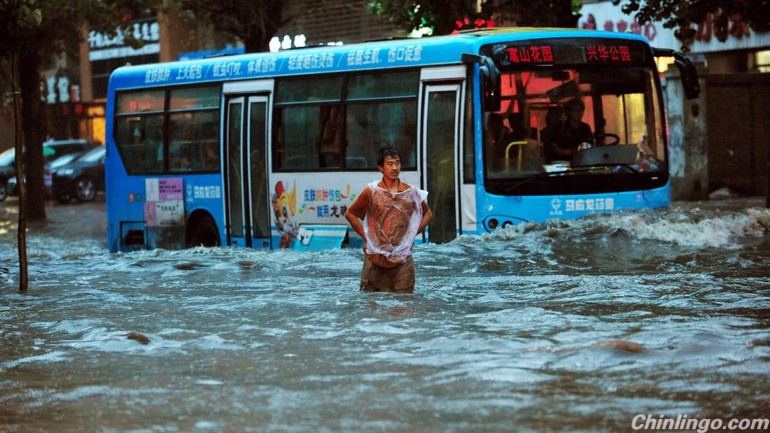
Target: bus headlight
[493,222]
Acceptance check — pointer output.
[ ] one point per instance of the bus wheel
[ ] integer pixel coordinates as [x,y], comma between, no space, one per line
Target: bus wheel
[201,231]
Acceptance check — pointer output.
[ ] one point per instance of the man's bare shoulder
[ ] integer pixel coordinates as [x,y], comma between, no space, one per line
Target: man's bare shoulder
[360,205]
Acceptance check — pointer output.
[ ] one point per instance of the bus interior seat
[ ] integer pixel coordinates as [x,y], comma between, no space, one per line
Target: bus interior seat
[411,159]
[301,161]
[356,162]
[331,159]
[355,149]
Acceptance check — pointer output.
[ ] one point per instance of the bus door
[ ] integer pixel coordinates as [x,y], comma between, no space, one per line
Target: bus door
[247,201]
[441,129]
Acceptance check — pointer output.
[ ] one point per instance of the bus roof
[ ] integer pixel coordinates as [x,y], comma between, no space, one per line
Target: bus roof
[383,54]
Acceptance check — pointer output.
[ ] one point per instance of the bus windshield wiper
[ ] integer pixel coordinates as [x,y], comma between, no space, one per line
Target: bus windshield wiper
[569,170]
[630,167]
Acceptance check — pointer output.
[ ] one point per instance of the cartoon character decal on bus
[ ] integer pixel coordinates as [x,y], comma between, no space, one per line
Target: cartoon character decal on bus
[284,210]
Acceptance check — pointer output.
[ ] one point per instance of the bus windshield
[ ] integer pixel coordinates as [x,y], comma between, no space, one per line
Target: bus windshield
[581,120]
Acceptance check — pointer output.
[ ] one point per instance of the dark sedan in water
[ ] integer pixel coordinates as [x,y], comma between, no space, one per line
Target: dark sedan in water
[81,179]
[51,149]
[12,187]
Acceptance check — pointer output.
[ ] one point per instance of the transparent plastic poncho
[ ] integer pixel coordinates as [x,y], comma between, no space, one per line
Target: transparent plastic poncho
[392,221]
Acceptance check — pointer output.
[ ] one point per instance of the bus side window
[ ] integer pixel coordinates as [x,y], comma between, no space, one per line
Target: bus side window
[210,156]
[355,156]
[298,142]
[358,148]
[180,142]
[206,142]
[331,136]
[140,142]
[193,142]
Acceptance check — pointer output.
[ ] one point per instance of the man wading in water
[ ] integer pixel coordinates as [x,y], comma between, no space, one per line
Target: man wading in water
[393,213]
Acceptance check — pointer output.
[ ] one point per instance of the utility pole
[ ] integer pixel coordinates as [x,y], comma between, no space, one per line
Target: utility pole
[19,138]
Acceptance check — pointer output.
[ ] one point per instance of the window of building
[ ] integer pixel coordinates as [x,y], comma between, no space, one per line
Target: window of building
[763,61]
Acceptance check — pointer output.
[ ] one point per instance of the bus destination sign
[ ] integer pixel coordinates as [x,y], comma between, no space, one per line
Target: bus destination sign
[544,54]
[593,51]
[537,54]
[607,53]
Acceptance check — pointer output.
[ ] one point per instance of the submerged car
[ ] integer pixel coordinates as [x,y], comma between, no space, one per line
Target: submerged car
[51,150]
[12,186]
[7,170]
[81,178]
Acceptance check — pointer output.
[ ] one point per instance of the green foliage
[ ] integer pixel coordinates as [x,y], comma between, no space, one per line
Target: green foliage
[444,17]
[441,16]
[682,16]
[19,18]
[539,13]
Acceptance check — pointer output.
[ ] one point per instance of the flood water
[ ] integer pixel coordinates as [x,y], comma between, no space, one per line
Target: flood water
[561,327]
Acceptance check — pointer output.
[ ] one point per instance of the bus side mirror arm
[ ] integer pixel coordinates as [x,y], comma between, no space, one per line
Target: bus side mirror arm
[468,58]
[490,80]
[687,71]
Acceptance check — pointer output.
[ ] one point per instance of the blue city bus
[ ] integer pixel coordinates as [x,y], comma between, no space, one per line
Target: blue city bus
[267,150]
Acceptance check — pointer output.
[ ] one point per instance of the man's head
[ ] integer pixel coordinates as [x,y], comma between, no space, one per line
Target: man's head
[389,163]
[574,109]
[575,105]
[387,151]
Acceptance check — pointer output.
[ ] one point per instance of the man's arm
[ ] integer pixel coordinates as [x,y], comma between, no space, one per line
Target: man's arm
[427,215]
[356,223]
[356,213]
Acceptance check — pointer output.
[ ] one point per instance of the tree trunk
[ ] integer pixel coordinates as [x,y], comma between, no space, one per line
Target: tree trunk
[33,120]
[267,16]
[566,17]
[19,143]
[255,42]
